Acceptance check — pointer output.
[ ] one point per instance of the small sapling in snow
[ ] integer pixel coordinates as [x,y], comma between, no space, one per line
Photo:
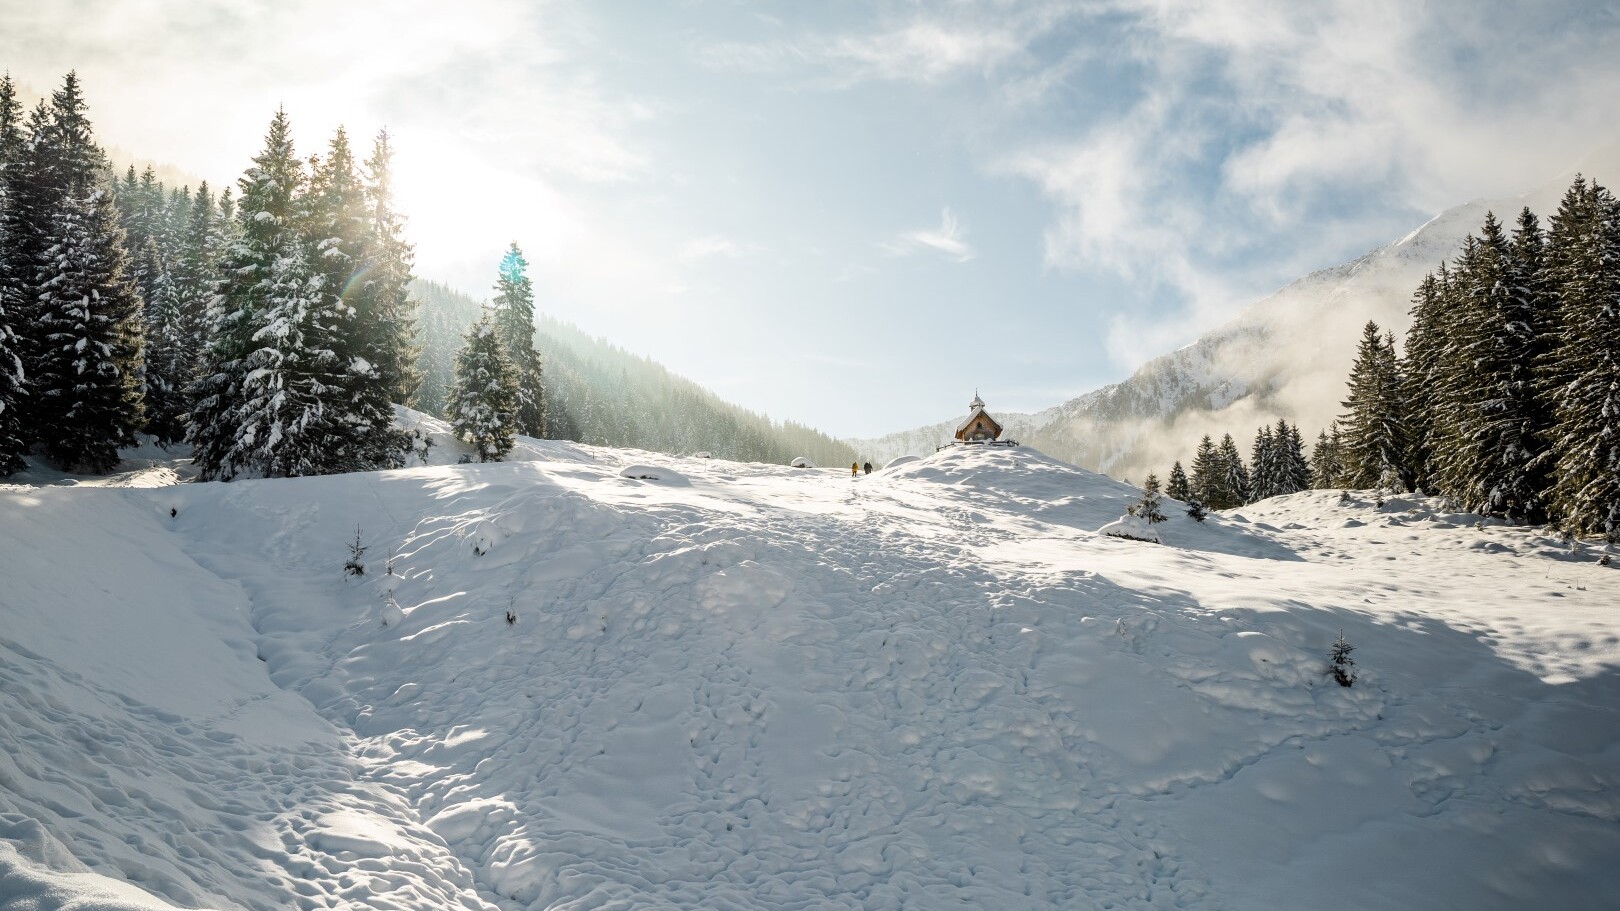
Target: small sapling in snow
[1344,498]
[173,511]
[1195,510]
[511,617]
[356,550]
[1341,665]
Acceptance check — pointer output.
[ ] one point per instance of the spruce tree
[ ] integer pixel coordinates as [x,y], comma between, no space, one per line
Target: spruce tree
[12,376]
[87,382]
[291,419]
[1586,373]
[1264,474]
[1208,475]
[85,345]
[388,309]
[1425,345]
[1326,469]
[1532,287]
[484,400]
[1491,469]
[1296,469]
[1149,506]
[271,370]
[195,276]
[1178,488]
[168,355]
[31,202]
[514,321]
[1374,443]
[1235,486]
[360,421]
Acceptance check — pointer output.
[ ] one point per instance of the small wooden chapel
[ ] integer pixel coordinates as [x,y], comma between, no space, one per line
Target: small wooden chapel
[979,427]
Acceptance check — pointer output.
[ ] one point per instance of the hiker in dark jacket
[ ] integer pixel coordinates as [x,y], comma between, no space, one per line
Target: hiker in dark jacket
[867,467]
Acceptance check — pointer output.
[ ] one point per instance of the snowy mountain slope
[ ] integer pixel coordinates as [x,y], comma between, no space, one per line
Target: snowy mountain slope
[745,686]
[1285,356]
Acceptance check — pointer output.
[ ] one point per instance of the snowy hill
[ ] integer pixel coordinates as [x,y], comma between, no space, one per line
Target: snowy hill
[736,685]
[1285,356]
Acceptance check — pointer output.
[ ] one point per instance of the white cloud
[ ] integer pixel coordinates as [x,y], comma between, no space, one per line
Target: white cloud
[948,239]
[1262,133]
[715,245]
[926,51]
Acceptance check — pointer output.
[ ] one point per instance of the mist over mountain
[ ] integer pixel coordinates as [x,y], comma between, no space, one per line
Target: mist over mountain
[1285,356]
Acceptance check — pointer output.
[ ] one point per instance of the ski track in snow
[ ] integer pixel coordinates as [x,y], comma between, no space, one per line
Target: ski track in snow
[743,686]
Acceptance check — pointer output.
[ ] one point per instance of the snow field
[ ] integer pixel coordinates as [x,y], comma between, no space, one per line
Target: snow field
[745,686]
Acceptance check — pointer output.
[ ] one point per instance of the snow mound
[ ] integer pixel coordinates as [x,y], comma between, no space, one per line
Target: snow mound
[802,462]
[1135,528]
[897,461]
[652,473]
[38,874]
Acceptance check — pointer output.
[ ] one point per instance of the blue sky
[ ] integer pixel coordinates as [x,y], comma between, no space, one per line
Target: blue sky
[853,214]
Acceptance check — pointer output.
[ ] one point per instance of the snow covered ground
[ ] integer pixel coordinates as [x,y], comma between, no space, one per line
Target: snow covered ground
[735,686]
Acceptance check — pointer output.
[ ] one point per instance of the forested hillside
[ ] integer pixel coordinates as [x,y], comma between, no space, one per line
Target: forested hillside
[598,393]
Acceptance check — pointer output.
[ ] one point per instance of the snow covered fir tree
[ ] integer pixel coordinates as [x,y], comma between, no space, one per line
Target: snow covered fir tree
[514,321]
[485,401]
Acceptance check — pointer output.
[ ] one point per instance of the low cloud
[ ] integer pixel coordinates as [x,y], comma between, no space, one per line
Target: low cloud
[948,240]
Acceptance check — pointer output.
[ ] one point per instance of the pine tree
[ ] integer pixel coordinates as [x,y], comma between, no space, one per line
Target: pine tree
[1585,272]
[1374,445]
[88,369]
[484,400]
[262,401]
[1235,487]
[1325,466]
[514,320]
[1535,299]
[168,357]
[1425,346]
[1208,475]
[1149,506]
[1178,488]
[360,420]
[1265,472]
[12,376]
[387,308]
[291,417]
[31,202]
[195,276]
[85,344]
[1490,468]
[1296,469]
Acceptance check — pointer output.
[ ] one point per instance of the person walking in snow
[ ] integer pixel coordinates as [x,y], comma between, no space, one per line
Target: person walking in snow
[854,469]
[867,468]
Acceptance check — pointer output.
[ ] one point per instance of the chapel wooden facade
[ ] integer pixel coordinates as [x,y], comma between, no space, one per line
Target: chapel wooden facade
[979,427]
